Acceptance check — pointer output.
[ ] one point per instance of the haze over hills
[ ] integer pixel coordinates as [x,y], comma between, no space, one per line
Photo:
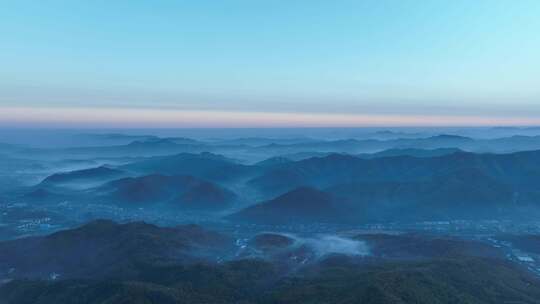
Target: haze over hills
[288,214]
[411,152]
[464,194]
[437,184]
[205,165]
[252,150]
[517,169]
[270,152]
[297,206]
[85,177]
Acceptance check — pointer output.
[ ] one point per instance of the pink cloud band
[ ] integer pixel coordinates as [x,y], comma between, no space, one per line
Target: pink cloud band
[137,117]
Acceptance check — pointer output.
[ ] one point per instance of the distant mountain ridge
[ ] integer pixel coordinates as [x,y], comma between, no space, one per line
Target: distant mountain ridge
[258,148]
[521,170]
[206,165]
[411,152]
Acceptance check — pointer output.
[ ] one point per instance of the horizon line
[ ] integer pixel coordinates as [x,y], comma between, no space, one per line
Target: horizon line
[155,118]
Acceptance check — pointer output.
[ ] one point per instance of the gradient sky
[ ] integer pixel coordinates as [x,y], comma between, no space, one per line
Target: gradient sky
[269,63]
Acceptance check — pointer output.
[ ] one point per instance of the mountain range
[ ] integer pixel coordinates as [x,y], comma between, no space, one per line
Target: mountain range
[520,170]
[436,184]
[208,166]
[257,149]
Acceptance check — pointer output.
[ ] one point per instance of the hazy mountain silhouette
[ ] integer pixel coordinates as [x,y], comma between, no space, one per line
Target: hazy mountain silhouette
[519,170]
[273,162]
[204,165]
[465,194]
[300,205]
[182,192]
[262,141]
[411,152]
[403,188]
[443,141]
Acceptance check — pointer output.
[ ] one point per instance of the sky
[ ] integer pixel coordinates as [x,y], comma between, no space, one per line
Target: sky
[269,63]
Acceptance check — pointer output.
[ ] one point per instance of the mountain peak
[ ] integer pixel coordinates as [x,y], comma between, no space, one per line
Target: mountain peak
[303,204]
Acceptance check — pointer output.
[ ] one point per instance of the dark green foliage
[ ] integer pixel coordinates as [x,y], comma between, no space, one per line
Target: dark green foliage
[108,263]
[440,281]
[106,249]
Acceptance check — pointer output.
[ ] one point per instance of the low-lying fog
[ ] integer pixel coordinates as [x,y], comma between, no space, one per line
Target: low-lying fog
[333,244]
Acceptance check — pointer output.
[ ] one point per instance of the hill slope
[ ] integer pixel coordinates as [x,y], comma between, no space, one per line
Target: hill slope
[182,192]
[106,249]
[300,205]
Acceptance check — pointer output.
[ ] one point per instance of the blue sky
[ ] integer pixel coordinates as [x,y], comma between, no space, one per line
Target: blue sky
[421,59]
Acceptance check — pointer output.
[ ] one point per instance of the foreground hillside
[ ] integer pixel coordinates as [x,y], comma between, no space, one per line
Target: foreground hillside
[103,248]
[105,262]
[254,281]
